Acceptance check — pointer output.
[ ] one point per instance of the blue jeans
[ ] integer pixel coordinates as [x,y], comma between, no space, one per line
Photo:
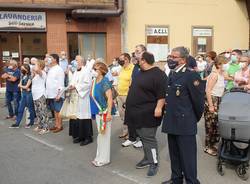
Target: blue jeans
[15,97]
[26,101]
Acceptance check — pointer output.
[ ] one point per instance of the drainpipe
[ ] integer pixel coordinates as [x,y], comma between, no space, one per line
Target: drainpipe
[124,28]
[248,10]
[86,13]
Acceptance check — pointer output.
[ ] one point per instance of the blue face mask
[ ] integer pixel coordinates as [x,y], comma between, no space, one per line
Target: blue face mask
[74,66]
[172,64]
[234,59]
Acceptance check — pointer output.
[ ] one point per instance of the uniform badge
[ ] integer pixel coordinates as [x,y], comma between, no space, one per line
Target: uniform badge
[196,83]
[178,92]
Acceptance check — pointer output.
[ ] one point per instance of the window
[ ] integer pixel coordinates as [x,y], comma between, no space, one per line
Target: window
[157,41]
[202,38]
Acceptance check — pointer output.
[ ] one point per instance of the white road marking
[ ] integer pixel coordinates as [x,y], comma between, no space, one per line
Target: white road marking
[131,178]
[44,142]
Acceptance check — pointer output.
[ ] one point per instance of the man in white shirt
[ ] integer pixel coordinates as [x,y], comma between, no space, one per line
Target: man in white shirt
[54,84]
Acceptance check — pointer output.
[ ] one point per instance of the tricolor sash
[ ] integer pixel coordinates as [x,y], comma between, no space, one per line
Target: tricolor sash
[102,112]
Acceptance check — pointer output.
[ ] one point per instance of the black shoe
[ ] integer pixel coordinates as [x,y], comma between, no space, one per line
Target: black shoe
[76,140]
[86,142]
[152,170]
[167,182]
[14,126]
[142,164]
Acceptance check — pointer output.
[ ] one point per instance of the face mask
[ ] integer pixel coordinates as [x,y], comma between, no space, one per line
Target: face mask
[63,57]
[243,64]
[225,67]
[234,59]
[227,55]
[94,73]
[172,64]
[114,63]
[75,65]
[49,61]
[200,59]
[10,67]
[121,62]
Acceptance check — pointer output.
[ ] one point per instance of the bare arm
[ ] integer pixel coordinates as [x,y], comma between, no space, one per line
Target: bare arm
[108,94]
[27,86]
[159,106]
[210,85]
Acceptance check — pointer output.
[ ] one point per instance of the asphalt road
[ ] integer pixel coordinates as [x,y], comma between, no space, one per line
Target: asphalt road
[29,158]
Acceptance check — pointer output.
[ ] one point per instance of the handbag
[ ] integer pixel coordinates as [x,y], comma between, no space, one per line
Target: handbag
[70,104]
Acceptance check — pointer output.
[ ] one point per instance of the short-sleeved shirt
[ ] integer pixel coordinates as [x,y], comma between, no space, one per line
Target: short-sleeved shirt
[25,79]
[124,80]
[64,64]
[232,69]
[147,88]
[191,62]
[54,81]
[13,86]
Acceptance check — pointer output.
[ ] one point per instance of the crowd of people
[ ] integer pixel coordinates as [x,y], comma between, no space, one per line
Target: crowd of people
[143,95]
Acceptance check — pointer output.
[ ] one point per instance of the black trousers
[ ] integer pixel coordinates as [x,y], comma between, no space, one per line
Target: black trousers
[81,128]
[183,157]
[73,128]
[132,133]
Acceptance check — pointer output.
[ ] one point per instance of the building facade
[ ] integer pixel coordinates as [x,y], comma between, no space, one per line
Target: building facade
[201,25]
[32,28]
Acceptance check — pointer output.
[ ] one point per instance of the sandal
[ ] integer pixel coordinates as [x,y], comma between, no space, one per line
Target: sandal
[210,151]
[123,135]
[9,117]
[98,164]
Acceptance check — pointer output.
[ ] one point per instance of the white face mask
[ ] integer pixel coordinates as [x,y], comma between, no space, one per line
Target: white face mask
[94,73]
[243,64]
[225,67]
[227,55]
[10,67]
[114,63]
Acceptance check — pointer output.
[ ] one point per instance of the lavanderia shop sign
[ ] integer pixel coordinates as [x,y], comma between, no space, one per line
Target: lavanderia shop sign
[22,21]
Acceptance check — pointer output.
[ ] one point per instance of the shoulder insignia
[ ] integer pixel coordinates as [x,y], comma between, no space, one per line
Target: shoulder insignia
[196,83]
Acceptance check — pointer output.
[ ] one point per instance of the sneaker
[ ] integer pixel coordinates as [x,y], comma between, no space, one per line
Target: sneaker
[14,126]
[142,164]
[27,126]
[138,144]
[128,143]
[152,170]
[44,131]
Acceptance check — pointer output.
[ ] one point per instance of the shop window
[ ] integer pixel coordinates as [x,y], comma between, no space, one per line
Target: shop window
[157,41]
[88,45]
[20,45]
[202,39]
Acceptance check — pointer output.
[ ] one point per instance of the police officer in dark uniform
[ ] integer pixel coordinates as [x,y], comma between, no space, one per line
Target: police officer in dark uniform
[184,108]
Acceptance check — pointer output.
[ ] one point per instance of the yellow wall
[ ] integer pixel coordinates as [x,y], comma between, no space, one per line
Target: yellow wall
[228,18]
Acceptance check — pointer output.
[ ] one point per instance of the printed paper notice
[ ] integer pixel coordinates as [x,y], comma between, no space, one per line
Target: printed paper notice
[160,51]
